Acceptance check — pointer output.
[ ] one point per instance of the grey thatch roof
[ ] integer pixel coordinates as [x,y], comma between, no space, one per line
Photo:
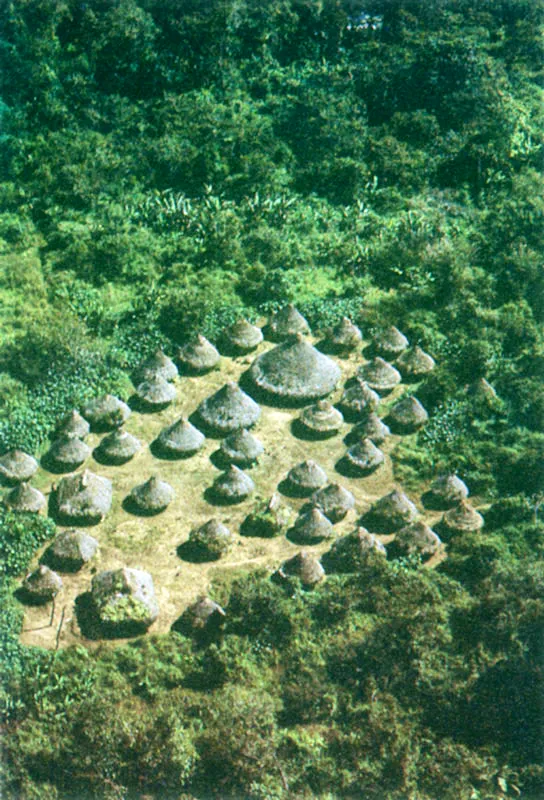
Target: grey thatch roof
[152,496]
[84,497]
[157,365]
[156,393]
[106,412]
[124,598]
[334,501]
[16,466]
[380,375]
[199,355]
[393,511]
[312,526]
[304,566]
[233,485]
[390,341]
[25,498]
[372,428]
[322,418]
[68,453]
[415,363]
[349,552]
[306,477]
[213,538]
[73,424]
[203,614]
[228,409]
[180,439]
[119,446]
[241,448]
[462,518]
[417,539]
[344,337]
[42,585]
[408,415]
[286,322]
[242,336]
[447,490]
[71,550]
[358,400]
[364,456]
[295,371]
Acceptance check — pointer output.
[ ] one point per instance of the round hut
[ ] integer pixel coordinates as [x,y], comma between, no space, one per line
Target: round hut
[304,566]
[118,447]
[202,615]
[73,424]
[67,453]
[311,527]
[321,420]
[42,585]
[305,478]
[269,518]
[25,498]
[344,337]
[364,457]
[462,518]
[392,512]
[229,409]
[241,448]
[17,467]
[334,501]
[415,363]
[180,440]
[446,491]
[83,497]
[233,485]
[158,365]
[407,416]
[481,391]
[155,394]
[211,540]
[416,539]
[295,371]
[71,550]
[358,400]
[379,375]
[124,600]
[350,553]
[106,413]
[198,356]
[241,337]
[151,497]
[373,428]
[389,342]
[285,323]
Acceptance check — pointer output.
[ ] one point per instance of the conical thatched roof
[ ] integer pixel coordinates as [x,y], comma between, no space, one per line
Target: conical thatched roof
[306,477]
[229,409]
[359,399]
[156,393]
[68,453]
[241,448]
[481,391]
[416,539]
[158,365]
[304,566]
[350,552]
[364,456]
[295,371]
[372,428]
[269,518]
[71,550]
[407,415]
[321,419]
[344,337]
[84,497]
[447,490]
[152,496]
[393,511]
[42,585]
[16,467]
[106,412]
[233,485]
[73,424]
[198,356]
[124,599]
[462,518]
[180,439]
[25,498]
[415,363]
[334,501]
[312,526]
[390,342]
[380,375]
[285,323]
[213,539]
[119,447]
[242,336]
[204,613]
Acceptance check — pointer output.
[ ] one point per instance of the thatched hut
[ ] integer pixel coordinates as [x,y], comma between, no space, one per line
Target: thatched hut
[71,550]
[351,552]
[241,448]
[391,512]
[233,485]
[241,337]
[83,497]
[407,416]
[229,409]
[481,391]
[304,566]
[380,375]
[73,424]
[17,467]
[344,337]
[389,342]
[180,440]
[415,539]
[334,501]
[321,420]
[157,365]
[203,615]
[286,322]
[446,491]
[269,518]
[151,497]
[118,447]
[311,527]
[305,478]
[211,540]
[415,363]
[358,400]
[373,428]
[67,453]
[25,498]
[124,600]
[364,457]
[155,394]
[41,585]
[462,518]
[198,356]
[295,371]
[106,413]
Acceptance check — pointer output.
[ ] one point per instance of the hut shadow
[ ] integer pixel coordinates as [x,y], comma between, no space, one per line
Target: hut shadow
[287,489]
[69,520]
[376,524]
[300,431]
[401,430]
[433,503]
[91,627]
[184,370]
[49,464]
[297,538]
[131,507]
[64,565]
[220,460]
[28,599]
[349,470]
[9,483]
[214,499]
[195,553]
[158,451]
[141,407]
[107,460]
[329,349]
[204,636]
[208,430]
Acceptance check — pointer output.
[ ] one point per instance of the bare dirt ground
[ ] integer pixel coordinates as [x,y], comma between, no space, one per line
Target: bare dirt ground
[151,543]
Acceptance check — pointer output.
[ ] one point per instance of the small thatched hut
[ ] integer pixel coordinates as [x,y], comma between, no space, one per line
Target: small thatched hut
[311,526]
[106,413]
[158,365]
[67,453]
[462,518]
[358,400]
[73,424]
[446,491]
[198,356]
[344,337]
[17,467]
[241,337]
[364,457]
[380,375]
[25,498]
[285,323]
[334,501]
[118,447]
[350,553]
[229,409]
[71,550]
[269,518]
[407,416]
[42,585]
[392,512]
[415,363]
[84,497]
[306,477]
[180,440]
[373,428]
[212,540]
[304,566]
[295,371]
[203,615]
[151,497]
[481,391]
[390,342]
[233,485]
[416,539]
[155,394]
[321,420]
[124,600]
[241,448]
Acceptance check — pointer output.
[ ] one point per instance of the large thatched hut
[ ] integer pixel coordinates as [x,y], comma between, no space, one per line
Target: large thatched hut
[151,497]
[25,498]
[241,337]
[373,428]
[73,424]
[198,356]
[286,322]
[334,501]
[71,550]
[232,486]
[358,400]
[295,371]
[311,527]
[241,448]
[83,497]
[391,512]
[17,467]
[179,440]
[407,416]
[67,453]
[41,585]
[304,566]
[106,413]
[380,375]
[118,447]
[229,409]
[157,365]
[155,394]
[321,420]
[305,478]
[124,600]
[344,337]
[415,363]
[389,342]
[364,457]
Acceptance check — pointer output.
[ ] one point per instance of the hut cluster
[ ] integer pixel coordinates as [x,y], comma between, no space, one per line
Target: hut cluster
[292,373]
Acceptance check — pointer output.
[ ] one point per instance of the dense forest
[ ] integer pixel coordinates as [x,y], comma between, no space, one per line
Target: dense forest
[168,166]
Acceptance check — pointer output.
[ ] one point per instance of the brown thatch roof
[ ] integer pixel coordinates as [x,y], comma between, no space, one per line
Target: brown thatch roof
[304,566]
[180,439]
[364,456]
[393,511]
[373,428]
[462,518]
[295,371]
[415,363]
[157,365]
[380,375]
[155,393]
[213,539]
[233,485]
[447,490]
[334,501]
[229,409]
[106,412]
[407,415]
[350,552]
[241,448]
[25,498]
[73,424]
[285,323]
[152,496]
[119,447]
[242,336]
[306,477]
[416,539]
[344,337]
[358,400]
[68,453]
[124,599]
[71,550]
[16,466]
[42,585]
[390,342]
[198,356]
[312,526]
[321,419]
[84,497]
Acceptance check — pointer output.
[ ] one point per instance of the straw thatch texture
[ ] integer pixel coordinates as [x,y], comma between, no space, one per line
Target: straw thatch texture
[211,540]
[416,539]
[321,419]
[118,447]
[392,511]
[351,552]
[158,365]
[364,457]
[73,424]
[312,526]
[233,485]
[306,477]
[180,440]
[124,599]
[229,409]
[71,550]
[241,448]
[380,375]
[286,322]
[84,497]
[152,496]
[241,337]
[334,501]
[390,342]
[304,566]
[372,428]
[447,491]
[106,413]
[67,453]
[415,363]
[344,337]
[42,585]
[156,393]
[25,498]
[16,467]
[407,416]
[462,518]
[358,400]
[198,356]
